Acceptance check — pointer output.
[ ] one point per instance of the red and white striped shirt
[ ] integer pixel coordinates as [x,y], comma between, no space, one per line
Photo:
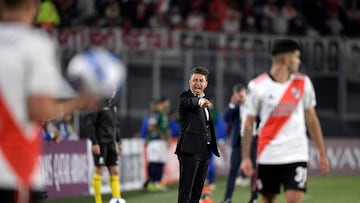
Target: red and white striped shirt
[282,129]
[29,66]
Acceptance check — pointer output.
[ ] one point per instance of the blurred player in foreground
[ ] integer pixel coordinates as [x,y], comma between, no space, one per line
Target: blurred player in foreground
[285,101]
[30,80]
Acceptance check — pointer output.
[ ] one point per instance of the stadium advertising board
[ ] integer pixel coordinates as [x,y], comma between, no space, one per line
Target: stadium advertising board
[65,168]
[131,167]
[344,157]
[343,154]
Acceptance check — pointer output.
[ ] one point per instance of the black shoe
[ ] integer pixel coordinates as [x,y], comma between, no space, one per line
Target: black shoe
[43,195]
[252,201]
[226,201]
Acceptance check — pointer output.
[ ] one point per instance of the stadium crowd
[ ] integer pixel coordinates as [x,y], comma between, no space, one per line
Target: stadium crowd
[292,17]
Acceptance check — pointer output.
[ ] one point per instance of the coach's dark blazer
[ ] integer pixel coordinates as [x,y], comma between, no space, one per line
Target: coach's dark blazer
[193,131]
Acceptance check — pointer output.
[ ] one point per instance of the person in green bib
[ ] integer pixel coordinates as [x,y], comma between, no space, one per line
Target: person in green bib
[156,145]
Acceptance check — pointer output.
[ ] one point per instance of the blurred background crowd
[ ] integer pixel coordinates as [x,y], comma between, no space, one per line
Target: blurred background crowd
[280,17]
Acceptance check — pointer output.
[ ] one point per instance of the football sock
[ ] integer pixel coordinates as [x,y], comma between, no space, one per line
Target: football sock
[96,183]
[115,186]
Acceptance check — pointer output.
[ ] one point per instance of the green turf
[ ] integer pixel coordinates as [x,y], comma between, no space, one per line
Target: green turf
[327,189]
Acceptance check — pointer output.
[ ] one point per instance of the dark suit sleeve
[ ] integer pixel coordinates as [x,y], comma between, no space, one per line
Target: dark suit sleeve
[187,101]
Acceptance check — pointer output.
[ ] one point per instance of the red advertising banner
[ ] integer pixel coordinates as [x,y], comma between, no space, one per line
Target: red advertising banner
[115,39]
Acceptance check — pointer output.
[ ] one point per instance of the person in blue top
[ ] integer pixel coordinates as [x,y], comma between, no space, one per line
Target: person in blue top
[233,119]
[174,124]
[145,122]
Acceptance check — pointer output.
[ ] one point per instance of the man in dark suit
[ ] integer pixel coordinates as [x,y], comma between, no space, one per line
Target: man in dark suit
[197,137]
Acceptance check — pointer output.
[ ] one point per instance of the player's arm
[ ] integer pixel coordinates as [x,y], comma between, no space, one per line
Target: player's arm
[44,107]
[246,139]
[313,125]
[45,84]
[232,109]
[92,124]
[118,135]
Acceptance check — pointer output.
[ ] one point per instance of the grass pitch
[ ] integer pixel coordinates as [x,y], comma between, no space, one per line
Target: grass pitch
[321,189]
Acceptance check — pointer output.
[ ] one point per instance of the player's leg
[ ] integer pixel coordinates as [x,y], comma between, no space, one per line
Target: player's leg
[96,183]
[158,174]
[115,181]
[235,159]
[294,196]
[268,198]
[210,178]
[99,162]
[112,163]
[253,188]
[268,182]
[295,182]
[150,183]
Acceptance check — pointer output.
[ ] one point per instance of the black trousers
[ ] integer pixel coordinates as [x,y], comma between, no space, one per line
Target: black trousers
[156,171]
[193,171]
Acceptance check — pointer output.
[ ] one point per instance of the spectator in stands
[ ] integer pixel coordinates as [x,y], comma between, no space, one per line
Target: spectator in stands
[272,16]
[112,14]
[140,13]
[195,21]
[175,20]
[335,25]
[249,17]
[161,12]
[231,22]
[316,15]
[68,12]
[49,131]
[352,12]
[48,16]
[66,128]
[297,25]
[287,13]
[87,11]
[217,12]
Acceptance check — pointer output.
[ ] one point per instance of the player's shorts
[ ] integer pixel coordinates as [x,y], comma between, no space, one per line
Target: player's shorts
[12,196]
[108,155]
[293,176]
